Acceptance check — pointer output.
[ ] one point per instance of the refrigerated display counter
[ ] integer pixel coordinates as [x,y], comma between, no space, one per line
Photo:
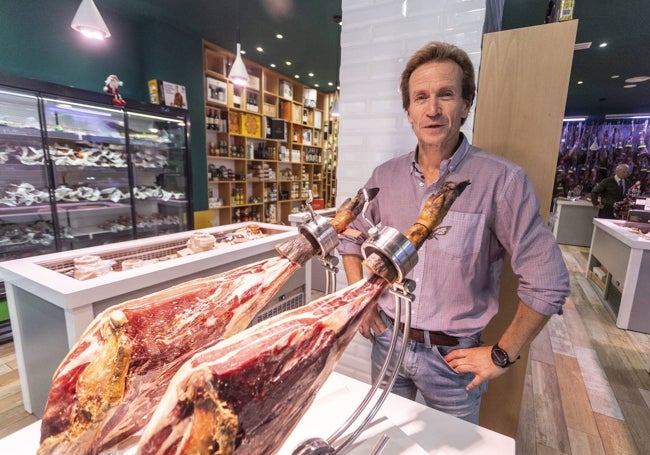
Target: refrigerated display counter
[50,308]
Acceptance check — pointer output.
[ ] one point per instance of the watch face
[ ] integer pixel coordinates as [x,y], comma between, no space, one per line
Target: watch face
[500,357]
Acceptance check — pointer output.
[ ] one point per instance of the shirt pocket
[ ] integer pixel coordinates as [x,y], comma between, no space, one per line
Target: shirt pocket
[464,236]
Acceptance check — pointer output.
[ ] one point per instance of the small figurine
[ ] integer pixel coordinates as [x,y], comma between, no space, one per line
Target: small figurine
[111,87]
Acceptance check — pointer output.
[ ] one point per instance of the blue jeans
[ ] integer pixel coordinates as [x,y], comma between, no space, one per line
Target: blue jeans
[424,369]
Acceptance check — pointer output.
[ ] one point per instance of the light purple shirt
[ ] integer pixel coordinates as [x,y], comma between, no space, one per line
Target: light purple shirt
[458,274]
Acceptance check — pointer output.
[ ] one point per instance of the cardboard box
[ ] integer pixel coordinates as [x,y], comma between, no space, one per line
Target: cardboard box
[286,89]
[252,125]
[167,93]
[253,82]
[234,122]
[276,128]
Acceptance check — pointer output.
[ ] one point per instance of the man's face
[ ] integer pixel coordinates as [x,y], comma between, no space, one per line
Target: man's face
[436,105]
[622,173]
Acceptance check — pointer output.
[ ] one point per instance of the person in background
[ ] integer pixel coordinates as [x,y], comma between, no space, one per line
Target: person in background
[609,191]
[458,274]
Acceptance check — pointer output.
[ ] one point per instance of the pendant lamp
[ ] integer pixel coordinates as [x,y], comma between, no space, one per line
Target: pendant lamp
[334,110]
[89,22]
[238,74]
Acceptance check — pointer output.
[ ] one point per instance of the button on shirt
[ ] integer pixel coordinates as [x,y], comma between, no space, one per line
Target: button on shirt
[458,274]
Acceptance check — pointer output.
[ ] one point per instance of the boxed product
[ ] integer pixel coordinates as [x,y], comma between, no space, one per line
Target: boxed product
[286,89]
[167,93]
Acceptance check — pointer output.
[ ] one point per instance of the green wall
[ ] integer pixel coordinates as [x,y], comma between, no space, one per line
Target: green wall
[36,42]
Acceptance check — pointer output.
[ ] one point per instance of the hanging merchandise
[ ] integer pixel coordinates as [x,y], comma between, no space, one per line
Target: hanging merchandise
[565,10]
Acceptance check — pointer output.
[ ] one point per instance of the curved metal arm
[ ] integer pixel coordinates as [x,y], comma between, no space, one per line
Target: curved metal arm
[407,297]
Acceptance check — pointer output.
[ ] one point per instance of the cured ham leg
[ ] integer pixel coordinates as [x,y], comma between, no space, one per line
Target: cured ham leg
[108,385]
[245,394]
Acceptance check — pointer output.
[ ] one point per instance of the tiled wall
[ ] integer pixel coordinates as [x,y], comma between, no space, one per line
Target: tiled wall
[376,40]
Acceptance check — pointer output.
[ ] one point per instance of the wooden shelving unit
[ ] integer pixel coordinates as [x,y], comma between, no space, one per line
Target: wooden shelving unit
[267,143]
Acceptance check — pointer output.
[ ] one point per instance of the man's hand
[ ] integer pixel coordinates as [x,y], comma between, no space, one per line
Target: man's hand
[475,360]
[372,325]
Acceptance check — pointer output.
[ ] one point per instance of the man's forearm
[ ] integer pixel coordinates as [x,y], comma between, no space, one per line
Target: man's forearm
[353,268]
[523,329]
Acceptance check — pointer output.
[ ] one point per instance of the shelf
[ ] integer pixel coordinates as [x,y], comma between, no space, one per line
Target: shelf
[276,97]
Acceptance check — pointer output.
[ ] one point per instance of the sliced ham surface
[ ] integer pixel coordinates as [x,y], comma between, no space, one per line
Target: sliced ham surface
[107,386]
[246,393]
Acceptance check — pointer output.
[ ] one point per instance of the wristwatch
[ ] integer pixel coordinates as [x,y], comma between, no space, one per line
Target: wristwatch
[500,357]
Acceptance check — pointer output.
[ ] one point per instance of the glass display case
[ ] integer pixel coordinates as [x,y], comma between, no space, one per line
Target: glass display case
[26,222]
[78,171]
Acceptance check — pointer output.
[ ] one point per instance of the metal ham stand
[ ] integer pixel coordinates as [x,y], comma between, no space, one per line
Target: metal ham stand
[398,252]
[322,235]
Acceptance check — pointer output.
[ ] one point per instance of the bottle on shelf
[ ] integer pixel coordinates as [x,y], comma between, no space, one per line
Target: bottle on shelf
[236,97]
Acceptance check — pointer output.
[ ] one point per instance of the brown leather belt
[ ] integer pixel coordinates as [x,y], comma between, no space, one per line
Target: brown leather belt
[435,337]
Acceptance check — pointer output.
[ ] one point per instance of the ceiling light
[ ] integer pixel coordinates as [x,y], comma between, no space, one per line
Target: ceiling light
[316,85]
[626,116]
[279,36]
[629,86]
[634,80]
[288,63]
[89,22]
[272,65]
[615,76]
[330,84]
[259,49]
[580,82]
[297,76]
[311,74]
[602,45]
[575,119]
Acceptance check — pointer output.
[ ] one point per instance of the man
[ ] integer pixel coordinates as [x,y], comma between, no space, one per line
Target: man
[609,191]
[458,274]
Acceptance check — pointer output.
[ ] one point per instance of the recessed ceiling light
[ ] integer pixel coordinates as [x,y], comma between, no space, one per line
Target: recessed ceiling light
[602,45]
[297,76]
[288,63]
[260,49]
[316,85]
[242,52]
[279,36]
[615,76]
[579,82]
[311,75]
[330,83]
[629,86]
[634,80]
[272,65]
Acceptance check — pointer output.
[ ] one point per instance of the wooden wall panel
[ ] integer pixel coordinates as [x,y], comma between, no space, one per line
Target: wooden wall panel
[522,89]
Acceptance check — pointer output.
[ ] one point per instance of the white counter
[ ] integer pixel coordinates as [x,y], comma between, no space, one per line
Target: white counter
[573,221]
[413,428]
[49,310]
[625,257]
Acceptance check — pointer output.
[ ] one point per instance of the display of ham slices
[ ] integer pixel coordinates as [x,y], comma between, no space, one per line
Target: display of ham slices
[245,394]
[108,385]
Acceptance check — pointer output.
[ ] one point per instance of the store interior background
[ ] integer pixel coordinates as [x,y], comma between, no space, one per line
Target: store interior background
[161,39]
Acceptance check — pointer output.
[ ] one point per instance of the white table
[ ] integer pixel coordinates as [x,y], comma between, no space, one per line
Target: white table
[413,428]
[626,257]
[49,310]
[573,221]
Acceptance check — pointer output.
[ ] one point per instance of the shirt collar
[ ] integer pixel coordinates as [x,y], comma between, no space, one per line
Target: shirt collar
[448,165]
